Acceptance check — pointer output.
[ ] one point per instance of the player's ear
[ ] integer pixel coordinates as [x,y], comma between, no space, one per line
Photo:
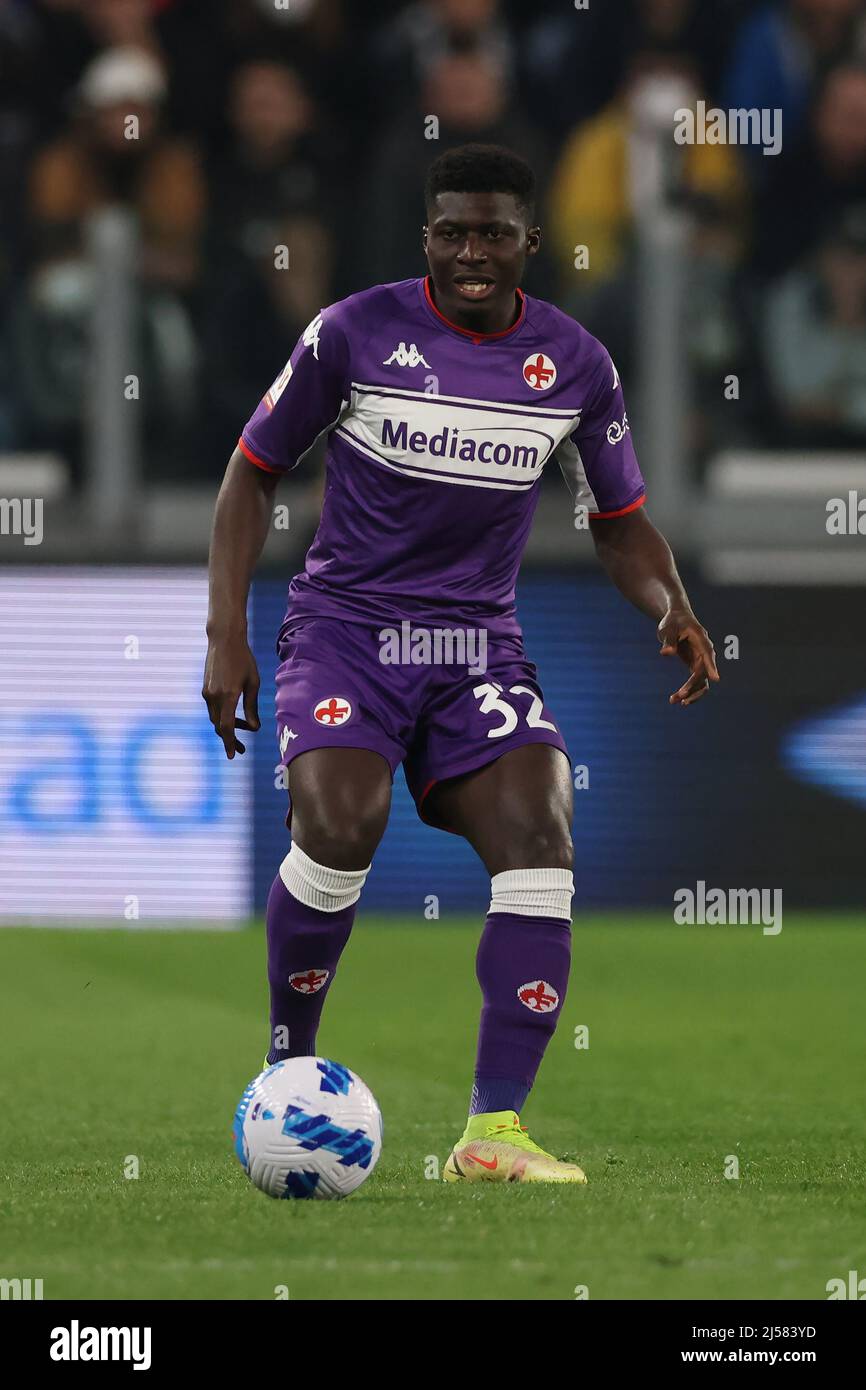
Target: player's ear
[424,238]
[533,240]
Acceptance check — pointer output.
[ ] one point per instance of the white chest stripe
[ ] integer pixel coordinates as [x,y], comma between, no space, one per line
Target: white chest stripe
[452,439]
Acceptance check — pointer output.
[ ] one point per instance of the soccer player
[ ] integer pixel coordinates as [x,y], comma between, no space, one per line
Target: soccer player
[442,398]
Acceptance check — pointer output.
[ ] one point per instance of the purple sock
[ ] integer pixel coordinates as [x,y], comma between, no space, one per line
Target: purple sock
[304,946]
[522,967]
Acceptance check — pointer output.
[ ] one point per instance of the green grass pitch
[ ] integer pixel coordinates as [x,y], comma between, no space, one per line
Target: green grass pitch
[704,1042]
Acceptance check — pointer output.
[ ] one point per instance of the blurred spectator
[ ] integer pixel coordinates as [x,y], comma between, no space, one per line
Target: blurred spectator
[60,48]
[780,52]
[593,197]
[313,125]
[313,36]
[18,128]
[116,153]
[410,46]
[50,347]
[571,63]
[816,341]
[814,179]
[94,167]
[253,321]
[687,28]
[465,90]
[278,161]
[185,35]
[713,335]
[121,23]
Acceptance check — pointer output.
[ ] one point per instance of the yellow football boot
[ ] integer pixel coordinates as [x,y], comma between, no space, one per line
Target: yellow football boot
[496,1148]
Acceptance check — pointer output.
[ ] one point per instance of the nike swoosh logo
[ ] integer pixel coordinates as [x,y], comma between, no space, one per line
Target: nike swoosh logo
[485,1163]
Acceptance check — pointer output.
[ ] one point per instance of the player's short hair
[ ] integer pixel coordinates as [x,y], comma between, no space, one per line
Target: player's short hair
[481,169]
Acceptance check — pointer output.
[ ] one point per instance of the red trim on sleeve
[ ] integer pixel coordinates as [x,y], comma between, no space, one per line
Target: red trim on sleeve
[632,507]
[253,458]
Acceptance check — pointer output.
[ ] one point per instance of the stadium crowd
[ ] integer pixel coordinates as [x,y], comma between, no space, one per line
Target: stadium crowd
[262,124]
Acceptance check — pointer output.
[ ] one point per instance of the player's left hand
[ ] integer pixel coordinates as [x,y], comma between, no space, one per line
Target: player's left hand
[681,635]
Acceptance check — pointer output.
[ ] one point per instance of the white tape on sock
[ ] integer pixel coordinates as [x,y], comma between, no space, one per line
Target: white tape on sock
[314,885]
[533,892]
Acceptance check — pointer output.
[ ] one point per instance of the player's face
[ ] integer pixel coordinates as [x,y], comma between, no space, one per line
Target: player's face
[476,246]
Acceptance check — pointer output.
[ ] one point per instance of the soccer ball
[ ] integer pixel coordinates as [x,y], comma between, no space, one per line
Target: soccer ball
[307,1127]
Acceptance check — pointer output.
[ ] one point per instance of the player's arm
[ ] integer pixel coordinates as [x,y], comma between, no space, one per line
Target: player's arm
[307,398]
[240,528]
[639,562]
[601,467]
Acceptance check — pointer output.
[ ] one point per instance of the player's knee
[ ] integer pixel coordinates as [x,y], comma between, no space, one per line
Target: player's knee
[543,845]
[340,841]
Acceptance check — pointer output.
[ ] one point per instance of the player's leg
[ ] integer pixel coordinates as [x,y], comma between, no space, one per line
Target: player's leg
[333,715]
[340,803]
[516,813]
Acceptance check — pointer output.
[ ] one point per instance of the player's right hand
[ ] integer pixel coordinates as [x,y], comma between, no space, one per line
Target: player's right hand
[230,671]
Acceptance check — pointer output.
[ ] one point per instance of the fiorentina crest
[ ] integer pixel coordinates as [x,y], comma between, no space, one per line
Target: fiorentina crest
[539,996]
[334,710]
[308,981]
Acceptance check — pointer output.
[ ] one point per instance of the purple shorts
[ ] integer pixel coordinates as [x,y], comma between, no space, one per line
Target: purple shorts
[442,719]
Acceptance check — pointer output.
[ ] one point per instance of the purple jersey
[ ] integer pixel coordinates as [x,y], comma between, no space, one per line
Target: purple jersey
[437,440]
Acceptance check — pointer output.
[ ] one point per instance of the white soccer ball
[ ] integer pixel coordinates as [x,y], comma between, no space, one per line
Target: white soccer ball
[307,1127]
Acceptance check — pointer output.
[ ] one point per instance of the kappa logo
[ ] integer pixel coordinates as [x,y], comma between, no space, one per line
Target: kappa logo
[308,981]
[539,372]
[617,432]
[285,737]
[311,333]
[334,710]
[404,356]
[539,996]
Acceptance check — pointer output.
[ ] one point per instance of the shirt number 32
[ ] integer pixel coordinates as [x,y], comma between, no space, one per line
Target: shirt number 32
[492,701]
